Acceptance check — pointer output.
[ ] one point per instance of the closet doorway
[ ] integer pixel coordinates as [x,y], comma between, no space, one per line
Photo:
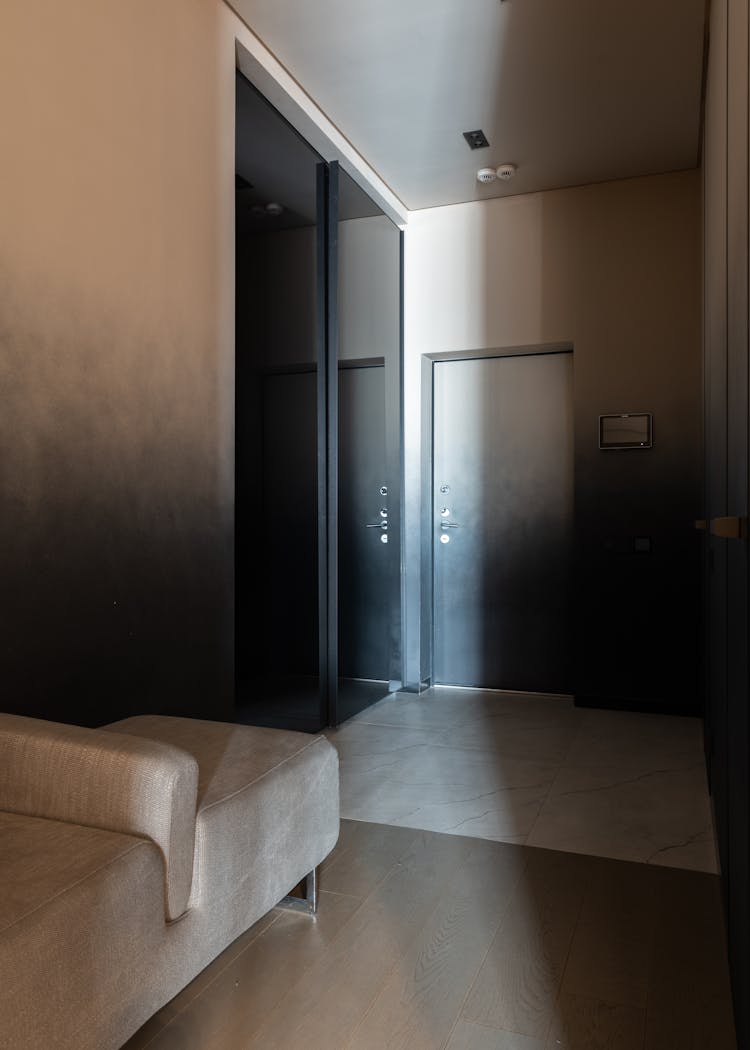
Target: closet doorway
[318,359]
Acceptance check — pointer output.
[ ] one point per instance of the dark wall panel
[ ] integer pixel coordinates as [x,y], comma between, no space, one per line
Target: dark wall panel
[726,249]
[115,590]
[637,558]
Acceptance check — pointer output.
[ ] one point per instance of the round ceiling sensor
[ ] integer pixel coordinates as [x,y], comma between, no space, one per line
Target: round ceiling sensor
[506,171]
[486,175]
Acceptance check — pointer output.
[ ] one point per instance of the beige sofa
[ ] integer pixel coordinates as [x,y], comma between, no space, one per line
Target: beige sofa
[130,856]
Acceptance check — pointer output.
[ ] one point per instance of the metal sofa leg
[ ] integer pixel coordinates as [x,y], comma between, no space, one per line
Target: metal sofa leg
[307,904]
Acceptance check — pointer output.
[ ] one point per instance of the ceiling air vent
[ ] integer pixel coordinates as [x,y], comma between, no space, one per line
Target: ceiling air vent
[476,139]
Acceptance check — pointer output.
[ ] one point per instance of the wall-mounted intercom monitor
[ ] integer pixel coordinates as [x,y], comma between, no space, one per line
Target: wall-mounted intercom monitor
[626,430]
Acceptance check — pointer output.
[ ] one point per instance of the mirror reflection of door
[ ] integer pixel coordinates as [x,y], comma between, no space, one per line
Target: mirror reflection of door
[365,548]
[369,436]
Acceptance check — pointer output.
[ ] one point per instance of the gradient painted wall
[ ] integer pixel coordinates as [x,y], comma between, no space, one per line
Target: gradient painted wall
[615,270]
[116,357]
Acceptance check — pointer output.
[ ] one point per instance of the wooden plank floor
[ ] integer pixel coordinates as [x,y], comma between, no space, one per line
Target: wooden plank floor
[425,940]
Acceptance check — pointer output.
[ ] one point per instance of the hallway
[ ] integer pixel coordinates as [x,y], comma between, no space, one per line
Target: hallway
[430,937]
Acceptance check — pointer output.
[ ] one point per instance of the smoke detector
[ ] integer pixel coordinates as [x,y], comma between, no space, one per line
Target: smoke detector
[506,171]
[486,175]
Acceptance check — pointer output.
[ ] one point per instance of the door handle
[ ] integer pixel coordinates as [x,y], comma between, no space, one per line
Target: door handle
[449,525]
[378,525]
[732,528]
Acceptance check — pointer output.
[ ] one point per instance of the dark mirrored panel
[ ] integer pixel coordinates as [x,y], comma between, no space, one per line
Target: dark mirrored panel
[369,441]
[276,542]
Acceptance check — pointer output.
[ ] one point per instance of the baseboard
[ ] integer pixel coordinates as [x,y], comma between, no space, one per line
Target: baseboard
[646,705]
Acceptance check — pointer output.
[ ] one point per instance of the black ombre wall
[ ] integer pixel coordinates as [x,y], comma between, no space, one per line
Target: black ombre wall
[116,359]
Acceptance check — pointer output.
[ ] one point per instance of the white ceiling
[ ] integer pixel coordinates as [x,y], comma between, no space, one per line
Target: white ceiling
[572,91]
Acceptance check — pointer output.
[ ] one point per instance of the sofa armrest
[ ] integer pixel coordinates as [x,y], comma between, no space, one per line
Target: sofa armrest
[105,780]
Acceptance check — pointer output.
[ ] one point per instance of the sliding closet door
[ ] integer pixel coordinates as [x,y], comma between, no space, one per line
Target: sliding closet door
[367,432]
[280,541]
[318,438]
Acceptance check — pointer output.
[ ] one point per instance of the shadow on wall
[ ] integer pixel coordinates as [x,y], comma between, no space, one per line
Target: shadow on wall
[621,267]
[614,269]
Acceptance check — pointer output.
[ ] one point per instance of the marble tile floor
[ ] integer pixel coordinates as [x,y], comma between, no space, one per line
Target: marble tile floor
[531,770]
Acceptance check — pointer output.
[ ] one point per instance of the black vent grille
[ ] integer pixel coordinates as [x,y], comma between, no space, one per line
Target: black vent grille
[476,139]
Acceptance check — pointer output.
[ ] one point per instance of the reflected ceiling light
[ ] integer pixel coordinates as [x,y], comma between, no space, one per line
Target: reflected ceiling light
[274,209]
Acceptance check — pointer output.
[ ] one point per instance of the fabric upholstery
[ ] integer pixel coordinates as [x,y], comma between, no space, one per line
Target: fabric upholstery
[268,806]
[108,781]
[86,955]
[81,922]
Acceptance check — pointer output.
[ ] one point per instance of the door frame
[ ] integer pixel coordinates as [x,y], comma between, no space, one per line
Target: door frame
[427,552]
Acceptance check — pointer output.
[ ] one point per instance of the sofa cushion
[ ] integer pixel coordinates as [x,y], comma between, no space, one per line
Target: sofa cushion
[268,804]
[81,915]
[102,780]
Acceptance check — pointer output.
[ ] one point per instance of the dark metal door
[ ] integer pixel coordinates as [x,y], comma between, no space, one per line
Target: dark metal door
[502,521]
[364,540]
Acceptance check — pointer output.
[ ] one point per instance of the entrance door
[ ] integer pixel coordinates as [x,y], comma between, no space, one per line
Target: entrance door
[502,521]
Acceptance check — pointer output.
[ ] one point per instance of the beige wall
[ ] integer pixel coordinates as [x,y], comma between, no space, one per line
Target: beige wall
[606,266]
[613,269]
[116,299]
[116,293]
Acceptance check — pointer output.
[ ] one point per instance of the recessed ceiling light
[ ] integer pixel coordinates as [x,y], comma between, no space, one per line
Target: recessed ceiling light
[476,139]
